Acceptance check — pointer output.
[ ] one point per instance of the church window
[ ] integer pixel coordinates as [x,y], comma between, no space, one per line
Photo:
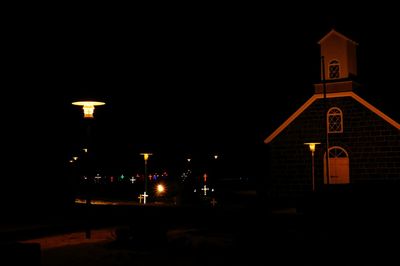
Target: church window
[334,69]
[335,120]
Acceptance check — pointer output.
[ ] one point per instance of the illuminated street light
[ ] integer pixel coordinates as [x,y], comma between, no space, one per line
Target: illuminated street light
[88,112]
[312,145]
[145,157]
[88,107]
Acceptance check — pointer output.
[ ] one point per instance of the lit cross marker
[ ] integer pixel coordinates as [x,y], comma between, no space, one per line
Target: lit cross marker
[133,179]
[144,197]
[140,198]
[205,188]
[213,202]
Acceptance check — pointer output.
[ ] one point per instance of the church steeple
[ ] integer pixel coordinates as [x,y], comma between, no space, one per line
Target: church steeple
[339,64]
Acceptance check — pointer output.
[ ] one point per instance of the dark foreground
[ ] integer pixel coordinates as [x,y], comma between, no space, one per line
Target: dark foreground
[248,234]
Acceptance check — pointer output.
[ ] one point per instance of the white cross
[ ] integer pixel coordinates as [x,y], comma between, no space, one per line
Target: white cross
[213,202]
[205,188]
[144,195]
[133,179]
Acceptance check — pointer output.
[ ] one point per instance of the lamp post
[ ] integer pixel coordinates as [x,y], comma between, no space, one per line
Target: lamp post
[88,113]
[145,157]
[312,145]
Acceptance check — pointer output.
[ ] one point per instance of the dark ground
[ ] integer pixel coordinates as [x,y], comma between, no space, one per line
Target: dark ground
[362,233]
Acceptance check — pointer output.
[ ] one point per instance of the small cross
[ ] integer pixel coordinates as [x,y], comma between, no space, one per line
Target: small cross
[140,198]
[213,202]
[144,197]
[133,179]
[205,188]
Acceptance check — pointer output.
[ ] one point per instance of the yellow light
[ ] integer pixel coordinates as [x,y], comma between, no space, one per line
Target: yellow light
[88,107]
[75,158]
[160,188]
[146,155]
[312,145]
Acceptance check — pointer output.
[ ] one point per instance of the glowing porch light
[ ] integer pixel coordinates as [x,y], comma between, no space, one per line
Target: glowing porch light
[88,107]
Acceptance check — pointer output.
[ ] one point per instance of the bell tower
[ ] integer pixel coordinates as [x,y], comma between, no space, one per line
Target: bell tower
[338,63]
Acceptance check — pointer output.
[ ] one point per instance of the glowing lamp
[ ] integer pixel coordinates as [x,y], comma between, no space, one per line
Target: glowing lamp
[160,188]
[312,145]
[146,155]
[88,107]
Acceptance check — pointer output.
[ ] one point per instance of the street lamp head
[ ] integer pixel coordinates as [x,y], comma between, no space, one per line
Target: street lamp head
[146,155]
[312,145]
[88,107]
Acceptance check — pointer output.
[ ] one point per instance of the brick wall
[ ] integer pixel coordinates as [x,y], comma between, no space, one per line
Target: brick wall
[373,146]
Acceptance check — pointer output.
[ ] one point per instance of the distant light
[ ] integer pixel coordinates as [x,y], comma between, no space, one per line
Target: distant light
[75,158]
[216,156]
[85,149]
[160,188]
[146,155]
[189,159]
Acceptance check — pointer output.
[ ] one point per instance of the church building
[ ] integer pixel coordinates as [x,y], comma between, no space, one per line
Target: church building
[363,143]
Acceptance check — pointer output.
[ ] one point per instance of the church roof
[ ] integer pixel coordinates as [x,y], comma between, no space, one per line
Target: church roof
[333,32]
[330,95]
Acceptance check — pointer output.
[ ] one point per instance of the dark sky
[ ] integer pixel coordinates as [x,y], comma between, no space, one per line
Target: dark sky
[174,79]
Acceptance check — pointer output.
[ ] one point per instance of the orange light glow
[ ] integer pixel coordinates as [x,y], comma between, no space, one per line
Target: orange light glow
[160,188]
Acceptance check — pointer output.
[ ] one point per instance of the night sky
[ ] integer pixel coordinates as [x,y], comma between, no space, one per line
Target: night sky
[176,82]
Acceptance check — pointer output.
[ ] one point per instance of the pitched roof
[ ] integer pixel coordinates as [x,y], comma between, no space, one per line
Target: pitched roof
[336,33]
[330,95]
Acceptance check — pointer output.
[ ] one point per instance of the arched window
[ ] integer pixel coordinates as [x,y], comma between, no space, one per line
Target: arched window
[334,68]
[335,120]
